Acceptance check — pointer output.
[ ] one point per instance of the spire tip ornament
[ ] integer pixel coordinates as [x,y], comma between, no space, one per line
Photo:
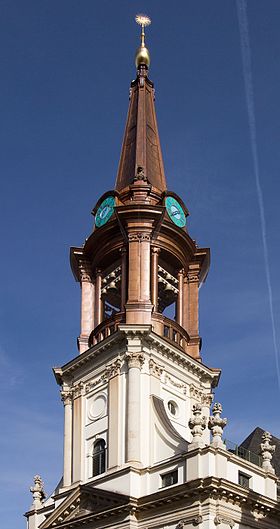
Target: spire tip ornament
[142,57]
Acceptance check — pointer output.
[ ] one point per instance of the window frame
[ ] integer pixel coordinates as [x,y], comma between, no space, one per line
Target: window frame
[99,462]
[246,477]
[173,473]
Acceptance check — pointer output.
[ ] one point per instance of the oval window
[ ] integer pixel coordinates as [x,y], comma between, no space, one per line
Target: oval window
[172,407]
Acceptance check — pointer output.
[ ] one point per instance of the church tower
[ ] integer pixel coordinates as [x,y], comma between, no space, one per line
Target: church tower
[137,397]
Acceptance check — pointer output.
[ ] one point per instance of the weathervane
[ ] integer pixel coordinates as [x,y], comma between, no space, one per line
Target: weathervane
[142,54]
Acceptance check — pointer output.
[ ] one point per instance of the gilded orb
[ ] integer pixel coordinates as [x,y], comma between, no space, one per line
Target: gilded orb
[142,57]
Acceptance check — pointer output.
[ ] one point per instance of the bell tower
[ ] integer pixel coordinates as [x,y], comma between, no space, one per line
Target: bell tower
[139,259]
[140,446]
[139,356]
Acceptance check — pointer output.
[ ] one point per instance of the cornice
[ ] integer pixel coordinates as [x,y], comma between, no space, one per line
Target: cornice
[215,488]
[184,360]
[252,505]
[126,333]
[67,370]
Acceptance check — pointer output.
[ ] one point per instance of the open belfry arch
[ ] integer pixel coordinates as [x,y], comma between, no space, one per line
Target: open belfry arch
[141,448]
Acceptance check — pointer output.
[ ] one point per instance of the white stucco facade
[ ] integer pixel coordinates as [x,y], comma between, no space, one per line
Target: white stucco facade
[98,382]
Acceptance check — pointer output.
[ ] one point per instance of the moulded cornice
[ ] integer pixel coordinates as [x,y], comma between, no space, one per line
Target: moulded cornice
[194,366]
[67,370]
[215,488]
[149,338]
[102,504]
[81,502]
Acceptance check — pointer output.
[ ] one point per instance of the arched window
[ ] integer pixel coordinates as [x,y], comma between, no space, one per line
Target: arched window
[99,457]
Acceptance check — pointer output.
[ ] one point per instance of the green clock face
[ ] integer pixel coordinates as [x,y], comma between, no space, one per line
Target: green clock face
[105,211]
[175,211]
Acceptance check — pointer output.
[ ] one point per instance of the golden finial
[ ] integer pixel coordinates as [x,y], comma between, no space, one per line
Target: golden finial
[142,55]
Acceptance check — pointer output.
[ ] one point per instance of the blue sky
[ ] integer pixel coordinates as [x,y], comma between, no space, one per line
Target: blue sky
[65,72]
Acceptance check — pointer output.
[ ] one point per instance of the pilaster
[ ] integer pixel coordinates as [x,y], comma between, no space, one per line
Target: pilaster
[78,422]
[66,397]
[98,301]
[124,278]
[134,363]
[139,306]
[180,300]
[114,428]
[87,304]
[154,276]
[192,316]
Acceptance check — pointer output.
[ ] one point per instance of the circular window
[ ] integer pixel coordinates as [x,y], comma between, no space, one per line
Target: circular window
[172,408]
[97,408]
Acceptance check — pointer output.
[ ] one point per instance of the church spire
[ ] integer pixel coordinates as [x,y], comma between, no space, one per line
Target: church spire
[141,157]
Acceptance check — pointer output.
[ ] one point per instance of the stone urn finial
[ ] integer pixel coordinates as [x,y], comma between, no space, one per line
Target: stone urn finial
[216,425]
[266,451]
[38,493]
[197,424]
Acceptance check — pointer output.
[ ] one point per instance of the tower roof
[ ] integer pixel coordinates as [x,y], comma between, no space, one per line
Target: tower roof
[141,157]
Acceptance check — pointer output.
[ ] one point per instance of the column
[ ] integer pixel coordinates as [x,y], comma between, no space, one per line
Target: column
[145,247]
[134,267]
[124,278]
[77,434]
[193,284]
[98,301]
[134,363]
[87,305]
[66,397]
[179,305]
[114,414]
[154,277]
[138,306]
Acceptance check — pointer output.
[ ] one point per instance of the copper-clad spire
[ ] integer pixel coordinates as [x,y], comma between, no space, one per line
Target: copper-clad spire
[141,157]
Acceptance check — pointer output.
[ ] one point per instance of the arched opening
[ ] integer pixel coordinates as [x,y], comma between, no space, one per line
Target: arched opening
[99,457]
[167,289]
[111,291]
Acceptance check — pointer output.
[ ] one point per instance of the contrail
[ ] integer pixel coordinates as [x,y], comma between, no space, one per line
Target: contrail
[248,82]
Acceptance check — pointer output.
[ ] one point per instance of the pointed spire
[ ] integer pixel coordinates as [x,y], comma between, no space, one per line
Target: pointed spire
[141,157]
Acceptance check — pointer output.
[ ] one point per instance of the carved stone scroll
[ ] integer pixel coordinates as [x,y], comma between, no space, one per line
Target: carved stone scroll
[195,520]
[222,519]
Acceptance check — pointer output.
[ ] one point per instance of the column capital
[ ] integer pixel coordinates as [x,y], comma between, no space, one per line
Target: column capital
[139,236]
[155,249]
[123,250]
[192,273]
[134,360]
[66,396]
[193,276]
[78,390]
[113,369]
